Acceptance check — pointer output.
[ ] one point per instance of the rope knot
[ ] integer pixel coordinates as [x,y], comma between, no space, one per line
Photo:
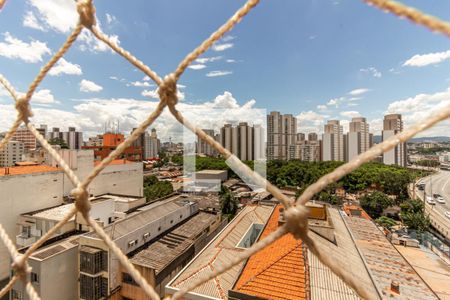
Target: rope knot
[82,202]
[297,220]
[20,266]
[86,10]
[168,90]
[24,109]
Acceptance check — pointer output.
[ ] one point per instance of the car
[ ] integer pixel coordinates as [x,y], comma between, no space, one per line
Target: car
[435,196]
[440,200]
[430,201]
[447,214]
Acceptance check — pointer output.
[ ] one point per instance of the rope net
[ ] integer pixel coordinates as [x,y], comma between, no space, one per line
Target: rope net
[296,213]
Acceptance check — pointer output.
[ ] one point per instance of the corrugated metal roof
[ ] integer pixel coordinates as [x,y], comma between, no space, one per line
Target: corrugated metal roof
[385,262]
[127,225]
[220,251]
[323,283]
[163,251]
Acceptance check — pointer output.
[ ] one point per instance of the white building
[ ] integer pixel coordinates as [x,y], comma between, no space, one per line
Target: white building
[358,139]
[203,147]
[281,134]
[11,153]
[244,141]
[23,189]
[392,125]
[333,142]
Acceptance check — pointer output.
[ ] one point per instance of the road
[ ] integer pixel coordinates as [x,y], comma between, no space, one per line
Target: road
[439,184]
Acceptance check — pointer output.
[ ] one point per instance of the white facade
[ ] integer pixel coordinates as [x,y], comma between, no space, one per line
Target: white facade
[358,138]
[392,125]
[11,153]
[333,142]
[281,134]
[203,147]
[23,193]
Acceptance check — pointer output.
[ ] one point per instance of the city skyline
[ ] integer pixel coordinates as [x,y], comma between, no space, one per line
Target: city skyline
[359,78]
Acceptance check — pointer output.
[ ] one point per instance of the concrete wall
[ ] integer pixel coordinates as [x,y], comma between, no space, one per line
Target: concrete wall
[58,276]
[24,193]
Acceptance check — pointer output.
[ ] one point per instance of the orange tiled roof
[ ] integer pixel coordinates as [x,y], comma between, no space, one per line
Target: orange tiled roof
[115,162]
[277,271]
[22,170]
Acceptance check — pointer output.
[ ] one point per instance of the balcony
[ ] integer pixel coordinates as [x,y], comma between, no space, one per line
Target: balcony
[23,241]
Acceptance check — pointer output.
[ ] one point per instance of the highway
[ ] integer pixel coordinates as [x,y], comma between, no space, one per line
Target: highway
[438,183]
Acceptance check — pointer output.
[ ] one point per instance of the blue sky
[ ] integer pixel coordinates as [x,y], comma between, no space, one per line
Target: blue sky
[315,59]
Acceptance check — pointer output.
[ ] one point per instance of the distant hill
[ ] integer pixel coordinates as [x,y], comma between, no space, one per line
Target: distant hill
[377,139]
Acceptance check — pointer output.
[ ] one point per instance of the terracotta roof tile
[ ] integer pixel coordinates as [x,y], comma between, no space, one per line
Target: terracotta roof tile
[276,272]
[22,170]
[116,162]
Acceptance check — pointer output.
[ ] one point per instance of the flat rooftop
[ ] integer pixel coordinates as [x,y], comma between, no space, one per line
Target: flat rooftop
[55,249]
[219,252]
[173,244]
[25,170]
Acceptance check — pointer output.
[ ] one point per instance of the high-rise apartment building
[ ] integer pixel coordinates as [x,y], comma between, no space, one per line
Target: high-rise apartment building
[306,150]
[358,138]
[393,124]
[203,147]
[25,136]
[152,145]
[333,142]
[281,134]
[312,136]
[244,141]
[42,129]
[72,138]
[11,153]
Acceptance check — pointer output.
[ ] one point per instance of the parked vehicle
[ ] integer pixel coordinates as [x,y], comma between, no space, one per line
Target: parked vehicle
[440,200]
[447,214]
[430,201]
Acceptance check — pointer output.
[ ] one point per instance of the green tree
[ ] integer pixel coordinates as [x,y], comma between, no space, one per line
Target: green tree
[374,203]
[386,222]
[149,180]
[58,141]
[177,159]
[413,215]
[228,203]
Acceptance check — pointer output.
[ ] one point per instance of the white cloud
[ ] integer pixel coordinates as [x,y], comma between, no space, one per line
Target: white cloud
[59,15]
[203,60]
[350,114]
[333,102]
[421,60]
[30,20]
[230,60]
[422,106]
[371,71]
[43,96]
[91,115]
[218,73]
[146,78]
[228,38]
[140,84]
[310,121]
[88,86]
[321,107]
[222,47]
[65,67]
[358,92]
[90,43]
[197,66]
[110,19]
[17,49]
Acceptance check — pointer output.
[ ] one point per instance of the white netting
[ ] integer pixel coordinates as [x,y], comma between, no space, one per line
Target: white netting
[295,213]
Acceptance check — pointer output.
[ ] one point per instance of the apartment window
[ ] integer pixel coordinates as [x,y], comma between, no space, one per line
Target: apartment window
[159,228]
[34,277]
[26,231]
[171,221]
[146,235]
